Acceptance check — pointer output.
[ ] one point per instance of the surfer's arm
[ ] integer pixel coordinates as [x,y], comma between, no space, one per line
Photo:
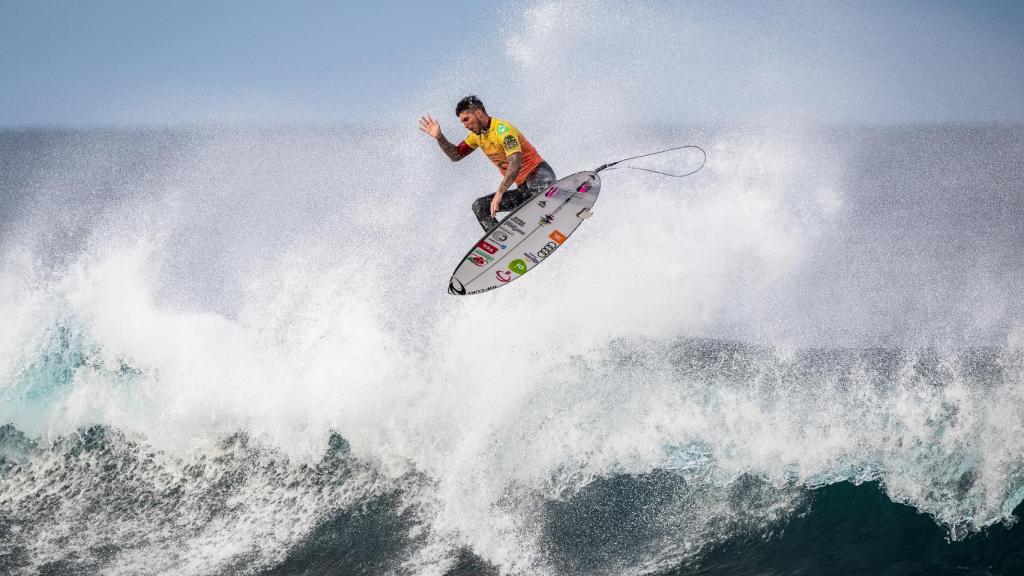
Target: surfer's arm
[433,129]
[515,164]
[455,153]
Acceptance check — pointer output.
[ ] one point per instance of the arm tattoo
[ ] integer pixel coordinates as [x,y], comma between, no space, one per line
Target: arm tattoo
[515,164]
[449,149]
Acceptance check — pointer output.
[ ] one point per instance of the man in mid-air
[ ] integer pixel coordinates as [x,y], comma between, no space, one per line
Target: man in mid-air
[515,157]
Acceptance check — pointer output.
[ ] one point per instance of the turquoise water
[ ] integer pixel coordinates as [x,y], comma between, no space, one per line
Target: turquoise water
[231,351]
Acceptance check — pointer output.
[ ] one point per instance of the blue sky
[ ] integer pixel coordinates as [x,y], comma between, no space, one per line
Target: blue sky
[142,62]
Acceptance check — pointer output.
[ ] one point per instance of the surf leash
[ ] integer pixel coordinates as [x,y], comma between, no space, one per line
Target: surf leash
[694,171]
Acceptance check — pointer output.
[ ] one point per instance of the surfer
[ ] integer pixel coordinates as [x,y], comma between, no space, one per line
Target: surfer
[516,159]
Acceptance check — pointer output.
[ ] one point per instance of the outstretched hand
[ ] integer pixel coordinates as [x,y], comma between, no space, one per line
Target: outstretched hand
[430,126]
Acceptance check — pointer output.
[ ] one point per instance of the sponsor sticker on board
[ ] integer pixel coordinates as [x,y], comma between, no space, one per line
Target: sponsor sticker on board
[515,224]
[479,257]
[557,236]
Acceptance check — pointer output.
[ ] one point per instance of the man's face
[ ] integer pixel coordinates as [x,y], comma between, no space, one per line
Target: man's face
[472,119]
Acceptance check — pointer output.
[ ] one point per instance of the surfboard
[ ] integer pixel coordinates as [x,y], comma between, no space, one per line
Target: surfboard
[528,236]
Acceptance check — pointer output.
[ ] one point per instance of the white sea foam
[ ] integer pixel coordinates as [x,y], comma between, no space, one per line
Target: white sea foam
[291,284]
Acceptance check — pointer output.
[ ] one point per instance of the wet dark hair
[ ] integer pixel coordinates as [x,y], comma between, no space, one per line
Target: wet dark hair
[468,103]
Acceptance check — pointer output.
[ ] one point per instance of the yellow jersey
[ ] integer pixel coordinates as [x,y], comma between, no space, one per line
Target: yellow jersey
[499,141]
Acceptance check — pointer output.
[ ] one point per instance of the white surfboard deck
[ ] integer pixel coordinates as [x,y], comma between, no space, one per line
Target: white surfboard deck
[527,236]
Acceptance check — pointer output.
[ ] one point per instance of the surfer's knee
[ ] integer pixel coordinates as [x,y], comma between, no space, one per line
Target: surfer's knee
[542,177]
[481,205]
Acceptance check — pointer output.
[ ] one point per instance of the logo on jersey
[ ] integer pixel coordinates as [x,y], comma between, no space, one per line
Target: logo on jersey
[557,236]
[502,128]
[510,142]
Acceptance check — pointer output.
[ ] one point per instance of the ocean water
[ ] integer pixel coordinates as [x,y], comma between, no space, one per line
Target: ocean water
[231,351]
